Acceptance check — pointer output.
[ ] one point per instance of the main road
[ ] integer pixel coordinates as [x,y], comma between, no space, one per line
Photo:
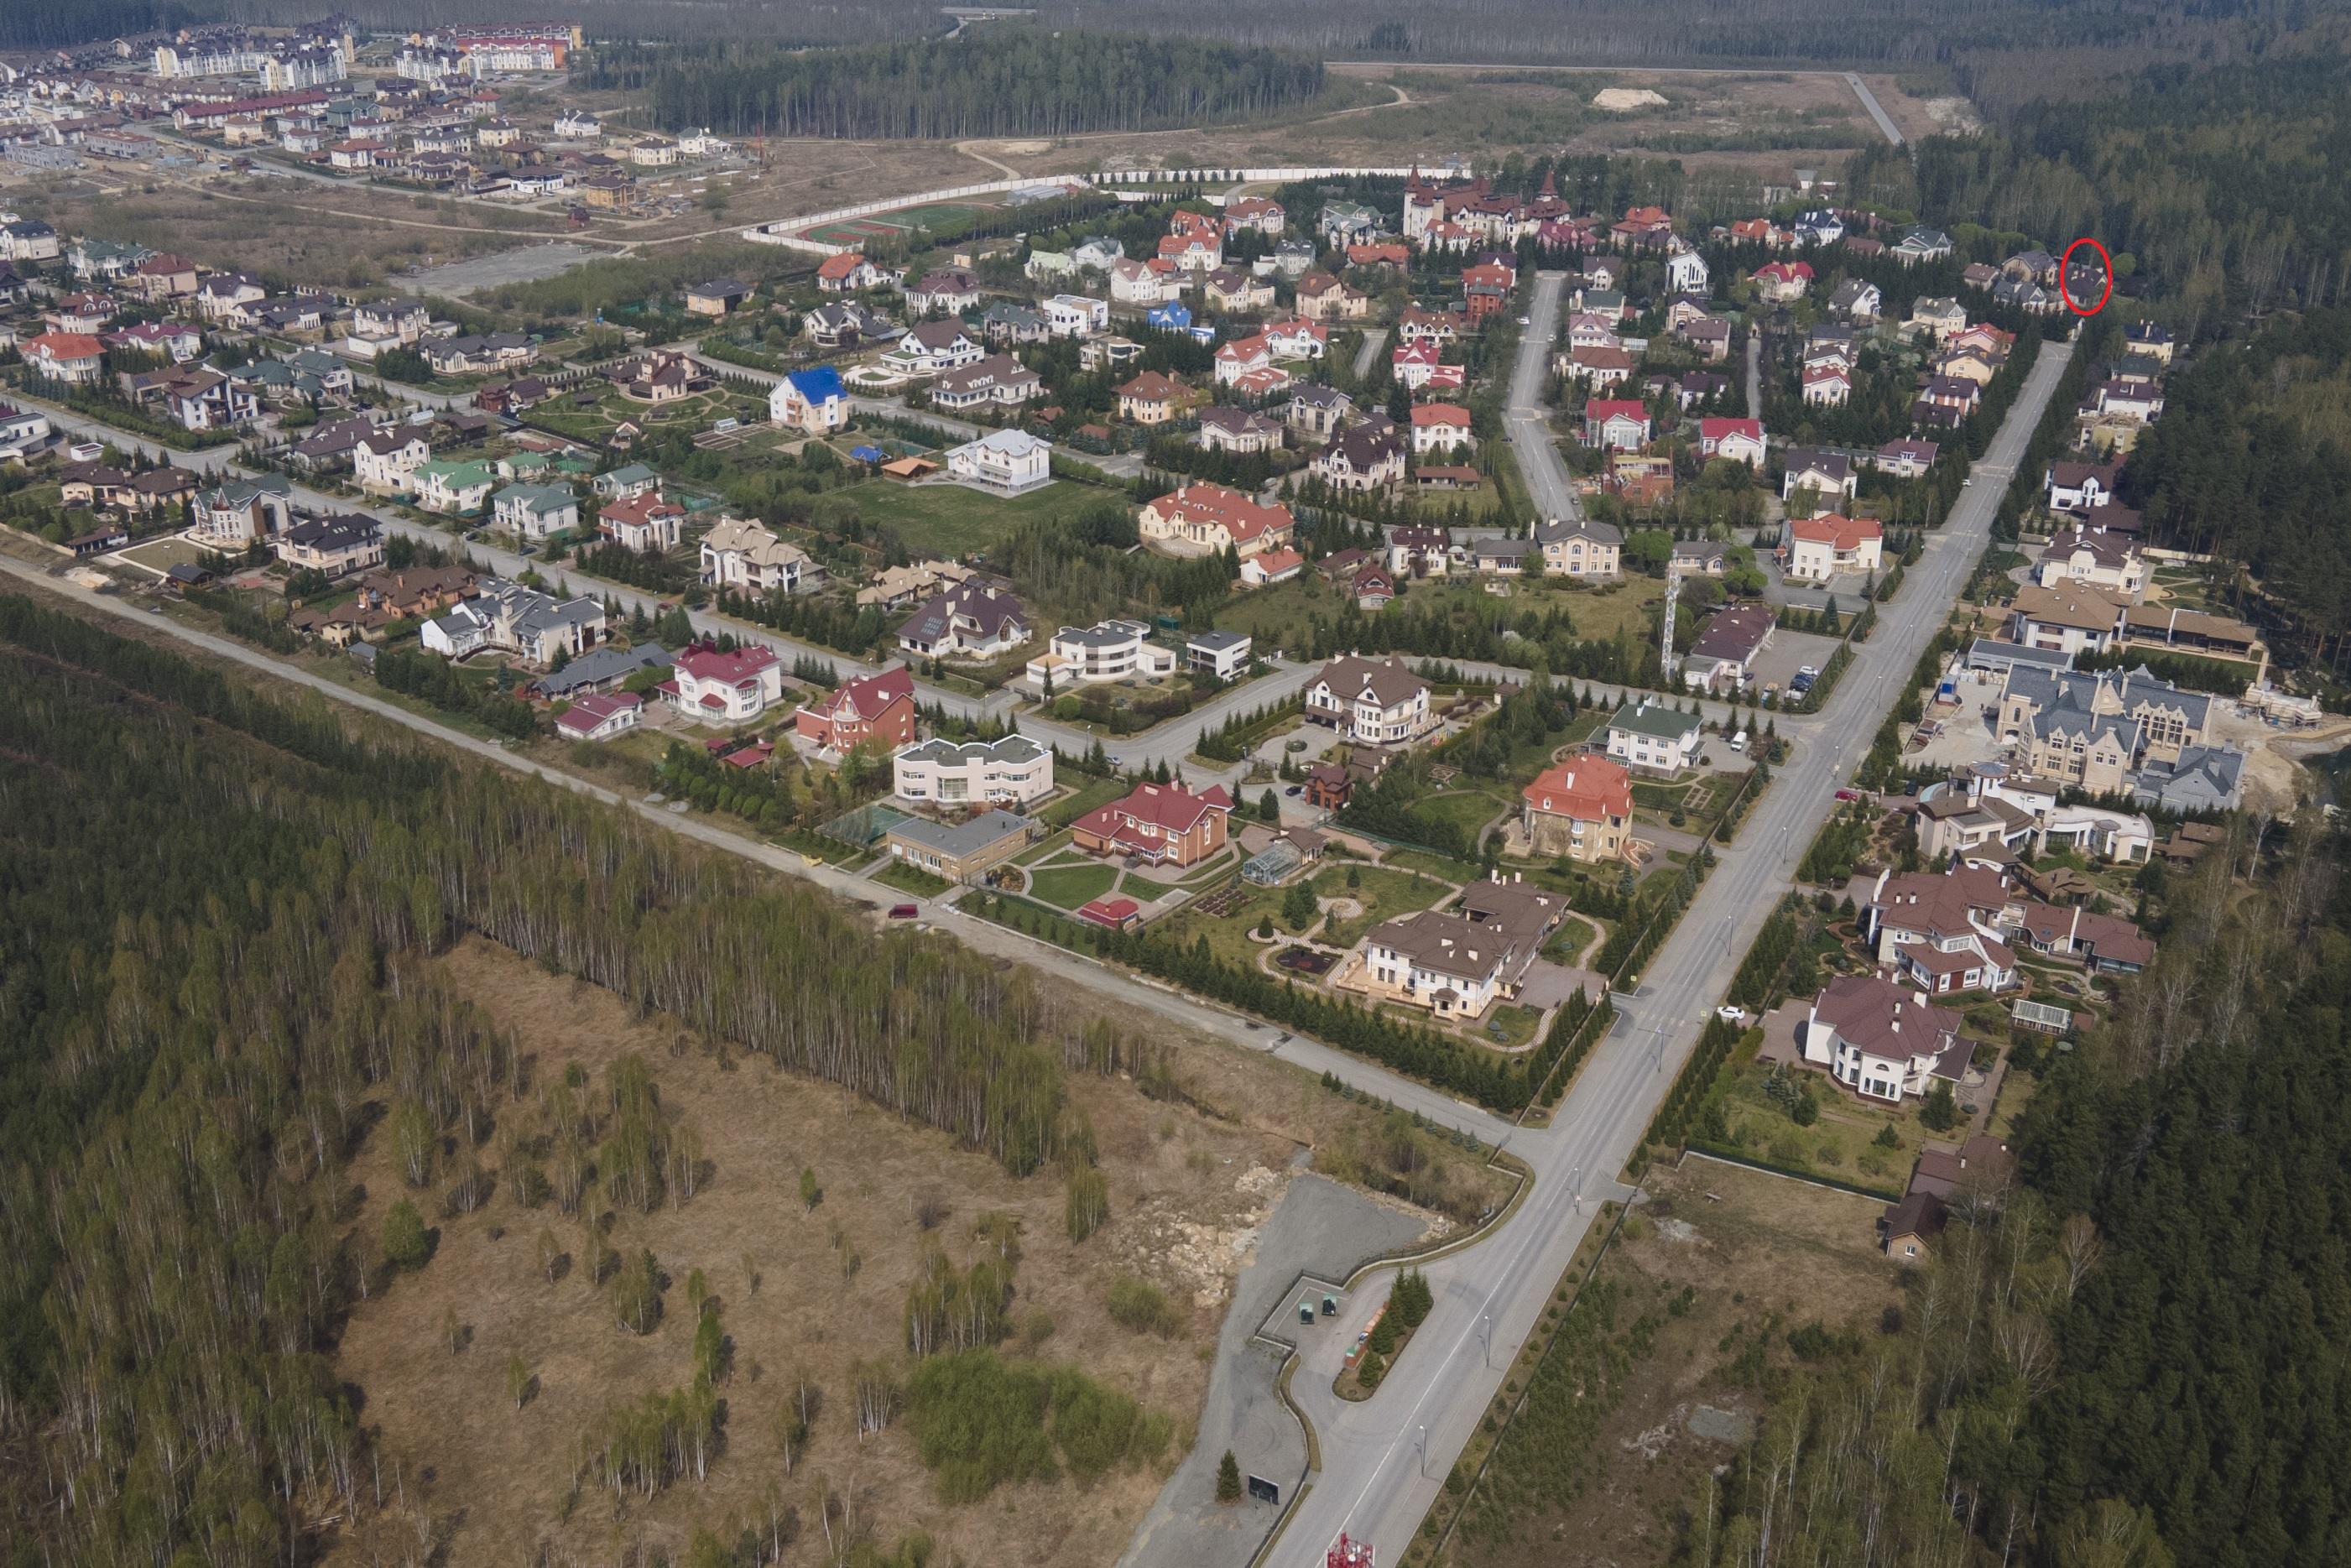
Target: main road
[1526,418]
[1385,1459]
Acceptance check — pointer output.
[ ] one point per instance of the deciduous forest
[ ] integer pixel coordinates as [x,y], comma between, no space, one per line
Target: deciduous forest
[210,997]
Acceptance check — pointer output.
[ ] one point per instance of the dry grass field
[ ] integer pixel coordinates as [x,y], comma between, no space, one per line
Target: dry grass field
[802,1290]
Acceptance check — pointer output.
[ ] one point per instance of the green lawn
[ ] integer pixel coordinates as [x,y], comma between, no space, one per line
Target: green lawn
[1573,935]
[1469,808]
[950,522]
[1842,1144]
[1229,935]
[1094,792]
[1383,894]
[912,879]
[1510,1027]
[1433,864]
[1068,886]
[1044,850]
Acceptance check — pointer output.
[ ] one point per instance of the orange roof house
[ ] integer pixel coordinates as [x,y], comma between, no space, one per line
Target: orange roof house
[1582,809]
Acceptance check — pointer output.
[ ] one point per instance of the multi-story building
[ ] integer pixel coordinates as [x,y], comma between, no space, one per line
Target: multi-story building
[2092,730]
[745,555]
[1459,962]
[877,709]
[1208,520]
[1944,931]
[1883,1041]
[711,687]
[1165,824]
[1107,651]
[1582,809]
[1655,739]
[1011,772]
[1372,702]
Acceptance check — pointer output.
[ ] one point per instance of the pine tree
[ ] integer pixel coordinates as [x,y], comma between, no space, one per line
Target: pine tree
[1229,1479]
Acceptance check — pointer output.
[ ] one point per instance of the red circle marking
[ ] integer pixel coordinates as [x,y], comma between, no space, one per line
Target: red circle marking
[2066,261]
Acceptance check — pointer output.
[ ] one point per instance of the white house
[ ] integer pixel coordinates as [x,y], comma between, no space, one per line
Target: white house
[1943,931]
[1223,654]
[1011,461]
[534,511]
[1011,772]
[1133,283]
[1883,1041]
[1651,736]
[601,715]
[1375,702]
[1826,547]
[813,401]
[741,554]
[511,618]
[1075,315]
[1106,651]
[715,687]
[1686,273]
[386,463]
[1440,427]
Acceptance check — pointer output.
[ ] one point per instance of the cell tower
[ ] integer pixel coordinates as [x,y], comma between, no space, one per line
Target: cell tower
[1666,662]
[1346,1552]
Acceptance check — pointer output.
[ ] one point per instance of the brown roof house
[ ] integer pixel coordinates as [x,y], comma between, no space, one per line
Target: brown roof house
[1882,1040]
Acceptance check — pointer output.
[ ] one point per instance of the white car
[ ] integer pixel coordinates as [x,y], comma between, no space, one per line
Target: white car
[1729,1014]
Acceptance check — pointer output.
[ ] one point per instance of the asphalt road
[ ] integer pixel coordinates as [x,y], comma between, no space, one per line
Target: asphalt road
[1526,421]
[1876,110]
[1383,1460]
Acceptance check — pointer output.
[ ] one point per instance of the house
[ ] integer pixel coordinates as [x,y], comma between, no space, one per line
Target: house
[82,313]
[27,240]
[813,400]
[1135,283]
[75,358]
[1000,381]
[1620,425]
[1106,651]
[1097,254]
[1163,824]
[952,289]
[1239,430]
[1827,386]
[1372,588]
[1231,288]
[1723,656]
[1598,367]
[845,324]
[1701,558]
[1242,356]
[534,511]
[385,462]
[745,555]
[1372,702]
[1857,299]
[1906,458]
[1826,473]
[1883,1041]
[1270,567]
[846,272]
[969,620]
[239,512]
[1653,738]
[1011,772]
[1010,462]
[1919,242]
[1935,318]
[2095,558]
[641,523]
[1005,322]
[633,479]
[896,587]
[23,432]
[2129,403]
[507,617]
[1209,519]
[1262,213]
[1459,962]
[1440,427]
[1297,340]
[600,715]
[1317,410]
[411,592]
[878,710]
[1044,266]
[1831,546]
[1781,282]
[1151,398]
[2200,778]
[459,489]
[2148,339]
[717,297]
[2078,486]
[2068,617]
[174,340]
[962,852]
[1362,458]
[1942,932]
[931,347]
[1737,440]
[402,320]
[1582,547]
[1075,315]
[708,685]
[1224,655]
[1582,809]
[2091,730]
[1322,297]
[335,547]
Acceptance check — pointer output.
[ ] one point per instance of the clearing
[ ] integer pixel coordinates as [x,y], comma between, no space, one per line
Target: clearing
[952,521]
[812,1289]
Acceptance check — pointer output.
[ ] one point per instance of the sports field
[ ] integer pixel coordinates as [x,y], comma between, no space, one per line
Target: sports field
[933,215]
[851,231]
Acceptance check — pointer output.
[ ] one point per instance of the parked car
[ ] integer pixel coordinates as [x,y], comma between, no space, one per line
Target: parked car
[903,911]
[1848,794]
[1730,1014]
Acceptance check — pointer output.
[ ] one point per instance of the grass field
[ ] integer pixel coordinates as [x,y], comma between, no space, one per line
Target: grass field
[1068,886]
[949,520]
[160,556]
[852,231]
[1383,894]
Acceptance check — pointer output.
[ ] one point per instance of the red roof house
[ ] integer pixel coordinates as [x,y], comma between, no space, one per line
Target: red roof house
[1163,824]
[879,708]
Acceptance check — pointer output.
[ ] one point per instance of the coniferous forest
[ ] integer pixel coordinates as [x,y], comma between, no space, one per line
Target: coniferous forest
[218,904]
[1001,80]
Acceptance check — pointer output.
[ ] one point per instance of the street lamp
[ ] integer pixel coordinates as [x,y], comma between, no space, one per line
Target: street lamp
[1488,1333]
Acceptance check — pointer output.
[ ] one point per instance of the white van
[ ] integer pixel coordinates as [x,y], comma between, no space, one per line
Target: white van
[1738,741]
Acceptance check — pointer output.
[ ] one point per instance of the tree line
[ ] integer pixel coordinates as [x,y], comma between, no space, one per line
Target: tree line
[219,904]
[998,80]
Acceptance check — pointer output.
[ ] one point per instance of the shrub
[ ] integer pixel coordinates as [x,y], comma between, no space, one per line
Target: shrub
[1137,1304]
[1087,1208]
[405,1243]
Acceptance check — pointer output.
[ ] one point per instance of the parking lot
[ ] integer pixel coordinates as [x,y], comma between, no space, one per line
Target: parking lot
[1787,652]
